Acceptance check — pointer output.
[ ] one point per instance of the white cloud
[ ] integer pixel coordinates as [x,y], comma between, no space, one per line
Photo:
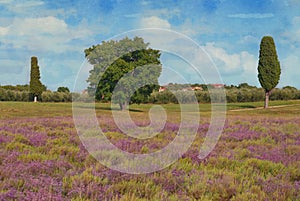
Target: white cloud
[188,28]
[242,64]
[163,13]
[34,8]
[43,34]
[3,31]
[21,7]
[229,62]
[290,65]
[289,73]
[251,15]
[182,48]
[249,63]
[293,34]
[5,1]
[37,26]
[154,22]
[249,39]
[25,4]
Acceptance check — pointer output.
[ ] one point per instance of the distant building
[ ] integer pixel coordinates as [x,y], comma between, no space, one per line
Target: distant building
[84,92]
[162,88]
[197,88]
[186,87]
[217,86]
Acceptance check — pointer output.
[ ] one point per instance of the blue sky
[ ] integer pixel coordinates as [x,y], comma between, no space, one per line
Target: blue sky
[57,32]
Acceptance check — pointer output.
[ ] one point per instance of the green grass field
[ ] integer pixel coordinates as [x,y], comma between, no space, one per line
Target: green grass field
[30,109]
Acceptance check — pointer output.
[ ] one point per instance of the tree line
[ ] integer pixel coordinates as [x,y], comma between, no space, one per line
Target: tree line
[21,93]
[234,93]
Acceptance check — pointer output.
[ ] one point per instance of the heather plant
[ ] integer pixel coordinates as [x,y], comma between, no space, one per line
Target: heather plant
[42,158]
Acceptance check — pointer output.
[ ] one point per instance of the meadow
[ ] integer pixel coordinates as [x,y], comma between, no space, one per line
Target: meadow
[256,158]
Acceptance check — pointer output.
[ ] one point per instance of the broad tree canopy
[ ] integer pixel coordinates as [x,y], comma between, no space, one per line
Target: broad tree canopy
[127,69]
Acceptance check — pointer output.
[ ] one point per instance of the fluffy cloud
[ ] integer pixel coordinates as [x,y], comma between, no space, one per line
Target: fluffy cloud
[249,63]
[229,62]
[289,73]
[154,22]
[243,64]
[3,31]
[48,38]
[43,34]
[293,34]
[230,65]
[36,26]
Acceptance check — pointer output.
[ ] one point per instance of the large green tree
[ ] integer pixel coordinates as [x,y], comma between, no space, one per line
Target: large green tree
[35,86]
[268,66]
[63,89]
[124,71]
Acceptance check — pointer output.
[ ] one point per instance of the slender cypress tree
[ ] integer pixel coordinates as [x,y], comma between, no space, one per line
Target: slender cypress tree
[36,87]
[268,66]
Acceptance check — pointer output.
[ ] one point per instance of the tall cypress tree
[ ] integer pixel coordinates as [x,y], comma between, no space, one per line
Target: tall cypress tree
[268,66]
[36,87]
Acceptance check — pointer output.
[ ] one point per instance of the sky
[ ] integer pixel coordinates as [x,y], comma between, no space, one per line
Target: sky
[229,31]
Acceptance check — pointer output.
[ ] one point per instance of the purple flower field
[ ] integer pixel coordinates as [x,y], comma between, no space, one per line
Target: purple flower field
[256,158]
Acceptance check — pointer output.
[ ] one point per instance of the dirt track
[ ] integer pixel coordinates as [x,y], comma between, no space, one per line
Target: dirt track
[259,108]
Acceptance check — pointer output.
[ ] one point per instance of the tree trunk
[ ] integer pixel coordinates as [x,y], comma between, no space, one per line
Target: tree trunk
[35,99]
[123,105]
[267,100]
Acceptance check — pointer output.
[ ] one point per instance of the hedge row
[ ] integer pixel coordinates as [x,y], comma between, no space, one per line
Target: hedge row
[232,95]
[47,96]
[13,95]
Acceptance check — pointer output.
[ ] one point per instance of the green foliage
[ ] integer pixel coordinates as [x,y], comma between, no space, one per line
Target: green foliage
[36,86]
[49,96]
[63,89]
[245,85]
[268,66]
[234,94]
[113,60]
[12,95]
[134,74]
[103,55]
[163,97]
[24,87]
[286,93]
